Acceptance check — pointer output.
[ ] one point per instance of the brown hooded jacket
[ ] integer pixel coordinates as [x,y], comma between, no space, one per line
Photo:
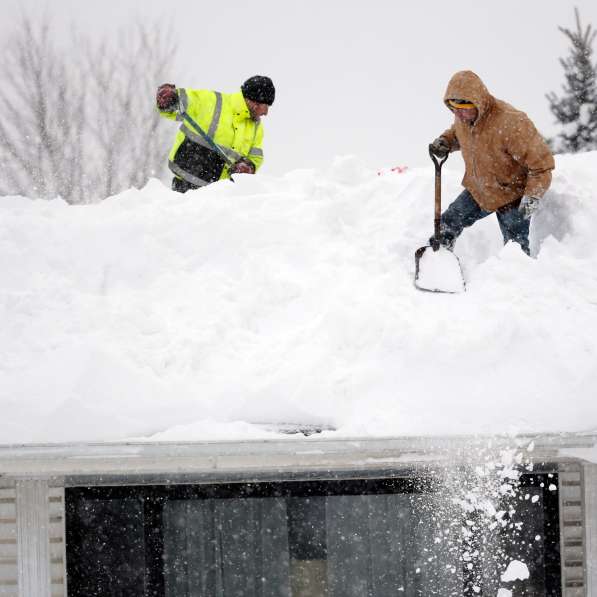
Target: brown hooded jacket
[504,155]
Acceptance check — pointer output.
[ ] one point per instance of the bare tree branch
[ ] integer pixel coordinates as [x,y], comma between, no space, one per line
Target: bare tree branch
[81,124]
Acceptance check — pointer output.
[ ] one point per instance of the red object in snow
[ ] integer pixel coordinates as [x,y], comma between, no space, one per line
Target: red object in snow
[397,169]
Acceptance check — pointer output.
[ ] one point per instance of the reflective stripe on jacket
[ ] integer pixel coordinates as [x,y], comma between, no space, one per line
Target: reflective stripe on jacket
[226,119]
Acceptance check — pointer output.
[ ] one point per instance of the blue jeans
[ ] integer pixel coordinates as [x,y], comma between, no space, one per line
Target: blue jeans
[464,212]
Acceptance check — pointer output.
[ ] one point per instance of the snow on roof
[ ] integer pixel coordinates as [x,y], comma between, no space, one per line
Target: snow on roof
[211,315]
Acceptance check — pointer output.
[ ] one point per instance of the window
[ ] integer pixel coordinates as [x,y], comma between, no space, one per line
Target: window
[361,538]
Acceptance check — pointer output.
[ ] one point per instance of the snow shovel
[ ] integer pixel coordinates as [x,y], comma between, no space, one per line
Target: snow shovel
[436,268]
[209,140]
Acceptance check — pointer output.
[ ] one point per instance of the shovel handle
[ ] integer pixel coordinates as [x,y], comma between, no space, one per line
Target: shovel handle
[438,163]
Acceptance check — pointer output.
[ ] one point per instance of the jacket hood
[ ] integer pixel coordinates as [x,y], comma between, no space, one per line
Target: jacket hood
[465,84]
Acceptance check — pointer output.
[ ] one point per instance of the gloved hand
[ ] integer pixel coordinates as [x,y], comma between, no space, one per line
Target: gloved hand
[440,147]
[528,206]
[243,166]
[166,97]
[446,240]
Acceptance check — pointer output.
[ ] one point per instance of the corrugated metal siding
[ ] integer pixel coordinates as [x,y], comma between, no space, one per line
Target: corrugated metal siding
[33,541]
[590,495]
[572,530]
[8,543]
[57,542]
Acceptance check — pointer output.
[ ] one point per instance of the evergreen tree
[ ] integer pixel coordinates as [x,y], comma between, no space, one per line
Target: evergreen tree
[576,110]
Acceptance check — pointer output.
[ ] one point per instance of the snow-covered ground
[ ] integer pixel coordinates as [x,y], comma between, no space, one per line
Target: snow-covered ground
[291,300]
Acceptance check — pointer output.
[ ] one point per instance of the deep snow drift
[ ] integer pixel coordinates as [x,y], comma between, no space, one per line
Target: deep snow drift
[291,300]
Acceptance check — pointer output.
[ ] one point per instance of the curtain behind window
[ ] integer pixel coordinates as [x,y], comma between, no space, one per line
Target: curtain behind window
[382,545]
[375,545]
[226,548]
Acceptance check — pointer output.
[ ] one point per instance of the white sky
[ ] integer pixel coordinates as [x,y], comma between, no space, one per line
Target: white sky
[362,78]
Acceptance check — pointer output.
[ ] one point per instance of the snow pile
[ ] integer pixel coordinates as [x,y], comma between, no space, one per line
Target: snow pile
[291,300]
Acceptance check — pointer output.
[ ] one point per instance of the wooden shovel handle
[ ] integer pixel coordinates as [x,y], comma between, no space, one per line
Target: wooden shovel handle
[438,195]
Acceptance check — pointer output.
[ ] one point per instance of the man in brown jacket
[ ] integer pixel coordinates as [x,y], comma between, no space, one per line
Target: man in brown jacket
[507,163]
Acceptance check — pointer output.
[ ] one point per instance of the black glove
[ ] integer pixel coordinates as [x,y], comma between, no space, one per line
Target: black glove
[446,239]
[166,97]
[440,147]
[243,166]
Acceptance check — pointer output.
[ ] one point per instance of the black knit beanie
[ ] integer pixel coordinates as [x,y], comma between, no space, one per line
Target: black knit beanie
[259,89]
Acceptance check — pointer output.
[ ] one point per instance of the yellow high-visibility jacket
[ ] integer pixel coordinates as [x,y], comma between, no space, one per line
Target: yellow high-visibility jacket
[226,119]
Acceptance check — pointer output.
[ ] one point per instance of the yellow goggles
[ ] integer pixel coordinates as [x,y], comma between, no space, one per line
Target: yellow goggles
[461,104]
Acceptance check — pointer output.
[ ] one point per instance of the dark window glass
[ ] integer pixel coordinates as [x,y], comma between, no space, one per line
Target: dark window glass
[364,538]
[110,547]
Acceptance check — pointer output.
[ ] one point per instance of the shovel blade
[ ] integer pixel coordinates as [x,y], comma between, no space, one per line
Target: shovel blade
[438,271]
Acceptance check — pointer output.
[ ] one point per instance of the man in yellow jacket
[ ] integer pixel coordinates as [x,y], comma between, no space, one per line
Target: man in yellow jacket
[220,133]
[508,165]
